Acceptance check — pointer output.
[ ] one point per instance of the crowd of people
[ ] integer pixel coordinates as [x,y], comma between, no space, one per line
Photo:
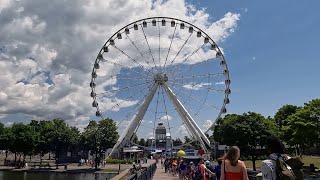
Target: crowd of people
[190,170]
[229,167]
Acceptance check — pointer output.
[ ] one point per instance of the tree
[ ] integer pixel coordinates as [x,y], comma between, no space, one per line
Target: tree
[6,139]
[22,140]
[135,138]
[314,107]
[186,139]
[108,129]
[303,127]
[247,131]
[98,137]
[281,116]
[60,136]
[177,142]
[142,142]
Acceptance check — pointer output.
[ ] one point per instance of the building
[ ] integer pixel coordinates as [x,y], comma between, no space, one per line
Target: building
[161,136]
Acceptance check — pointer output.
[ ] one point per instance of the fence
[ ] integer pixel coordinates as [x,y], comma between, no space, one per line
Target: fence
[144,174]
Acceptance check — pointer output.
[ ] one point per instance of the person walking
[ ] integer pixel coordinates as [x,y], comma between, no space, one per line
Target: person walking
[232,167]
[174,166]
[275,152]
[209,176]
[217,169]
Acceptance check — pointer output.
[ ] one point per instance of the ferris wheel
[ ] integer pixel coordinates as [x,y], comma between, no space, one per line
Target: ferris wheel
[161,69]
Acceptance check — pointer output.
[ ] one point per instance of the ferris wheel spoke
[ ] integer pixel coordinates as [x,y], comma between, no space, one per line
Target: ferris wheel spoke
[155,115]
[196,76]
[159,46]
[190,67]
[166,111]
[124,67]
[122,89]
[130,97]
[132,59]
[195,86]
[141,54]
[195,98]
[129,78]
[170,45]
[139,103]
[183,61]
[145,37]
[185,42]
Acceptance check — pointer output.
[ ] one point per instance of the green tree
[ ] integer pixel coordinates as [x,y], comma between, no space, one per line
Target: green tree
[186,139]
[61,136]
[135,138]
[98,137]
[142,142]
[247,131]
[281,116]
[177,142]
[6,139]
[303,127]
[314,107]
[22,140]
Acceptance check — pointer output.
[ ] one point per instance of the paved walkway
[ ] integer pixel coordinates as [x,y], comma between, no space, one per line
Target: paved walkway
[161,175]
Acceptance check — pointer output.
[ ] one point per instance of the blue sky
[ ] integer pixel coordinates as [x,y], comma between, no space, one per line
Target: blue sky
[273,53]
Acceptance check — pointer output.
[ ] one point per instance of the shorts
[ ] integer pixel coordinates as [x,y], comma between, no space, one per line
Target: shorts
[184,172]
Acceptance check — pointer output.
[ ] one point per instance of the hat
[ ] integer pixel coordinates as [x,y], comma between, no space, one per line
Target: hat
[191,162]
[207,162]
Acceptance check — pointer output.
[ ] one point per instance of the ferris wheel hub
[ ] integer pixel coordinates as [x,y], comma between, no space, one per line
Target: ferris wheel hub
[160,78]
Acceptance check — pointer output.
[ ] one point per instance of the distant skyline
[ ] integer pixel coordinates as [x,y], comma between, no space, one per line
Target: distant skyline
[47,52]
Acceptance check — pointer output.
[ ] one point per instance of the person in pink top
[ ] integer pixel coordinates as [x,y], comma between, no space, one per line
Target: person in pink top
[232,168]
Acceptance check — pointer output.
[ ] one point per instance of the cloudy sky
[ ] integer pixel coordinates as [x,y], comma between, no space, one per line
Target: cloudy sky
[47,51]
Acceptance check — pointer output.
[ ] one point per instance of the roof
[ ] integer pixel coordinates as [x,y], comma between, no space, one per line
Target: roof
[131,150]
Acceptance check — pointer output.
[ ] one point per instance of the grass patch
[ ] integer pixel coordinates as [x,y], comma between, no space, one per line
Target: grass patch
[249,164]
[307,160]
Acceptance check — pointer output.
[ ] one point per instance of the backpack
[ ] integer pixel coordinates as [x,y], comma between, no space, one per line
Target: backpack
[283,170]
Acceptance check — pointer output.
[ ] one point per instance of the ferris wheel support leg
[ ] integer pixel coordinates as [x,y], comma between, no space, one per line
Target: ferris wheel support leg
[189,126]
[185,115]
[135,121]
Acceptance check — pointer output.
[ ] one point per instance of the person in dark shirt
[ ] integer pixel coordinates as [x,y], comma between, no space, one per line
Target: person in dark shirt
[217,169]
[183,170]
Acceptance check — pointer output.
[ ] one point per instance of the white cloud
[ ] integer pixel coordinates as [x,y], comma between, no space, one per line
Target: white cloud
[206,125]
[166,117]
[181,132]
[47,52]
[219,83]
[196,86]
[4,4]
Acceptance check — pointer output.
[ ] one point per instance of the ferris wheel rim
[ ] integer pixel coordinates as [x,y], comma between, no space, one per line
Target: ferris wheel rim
[222,58]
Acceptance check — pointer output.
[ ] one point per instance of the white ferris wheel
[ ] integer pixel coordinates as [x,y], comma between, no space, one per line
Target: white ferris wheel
[161,69]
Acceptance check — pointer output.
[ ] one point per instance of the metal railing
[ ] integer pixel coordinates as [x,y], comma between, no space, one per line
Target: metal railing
[143,174]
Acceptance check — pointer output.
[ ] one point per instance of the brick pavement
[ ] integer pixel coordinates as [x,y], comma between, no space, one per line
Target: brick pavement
[161,175]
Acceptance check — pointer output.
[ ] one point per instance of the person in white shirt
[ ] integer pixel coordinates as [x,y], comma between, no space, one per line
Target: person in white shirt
[275,150]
